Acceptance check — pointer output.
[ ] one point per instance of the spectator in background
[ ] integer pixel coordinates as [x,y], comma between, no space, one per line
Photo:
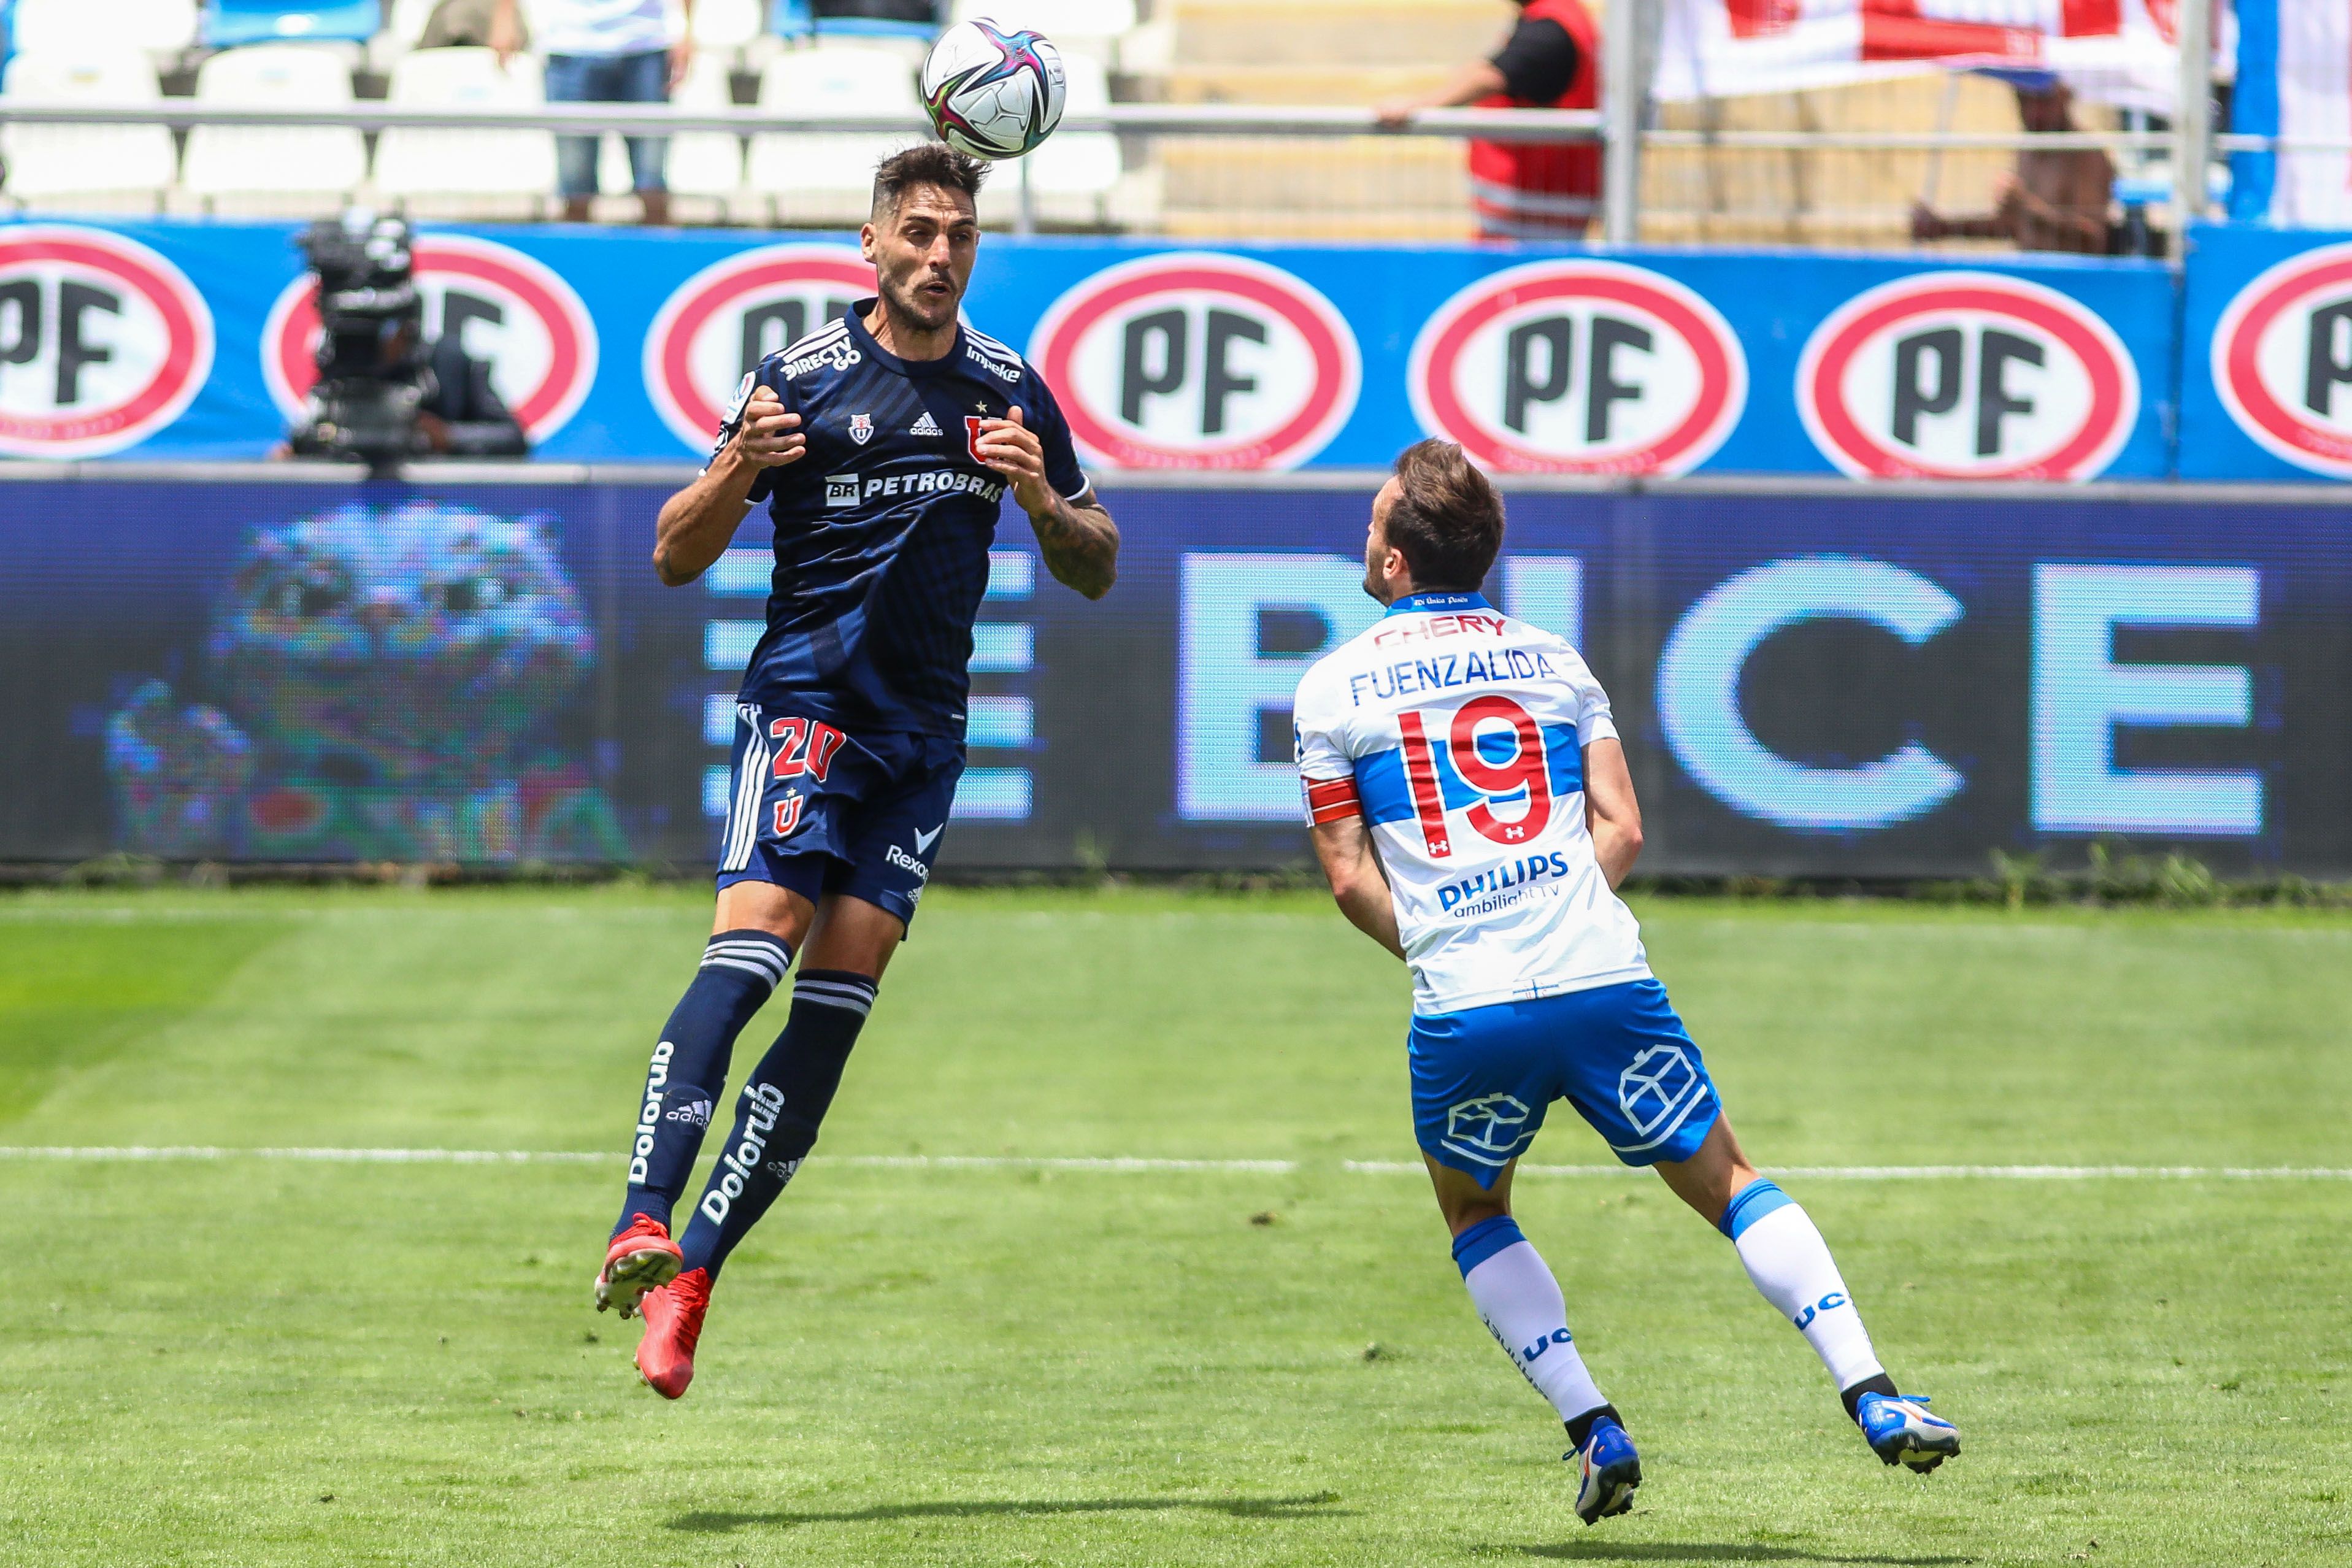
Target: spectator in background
[1524,190]
[604,51]
[2054,201]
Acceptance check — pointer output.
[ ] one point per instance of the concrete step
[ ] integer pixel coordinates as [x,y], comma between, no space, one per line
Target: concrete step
[1290,84]
[1327,175]
[1327,33]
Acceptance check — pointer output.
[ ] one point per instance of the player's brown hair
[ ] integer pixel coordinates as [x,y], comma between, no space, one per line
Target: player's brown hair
[925,163]
[1447,521]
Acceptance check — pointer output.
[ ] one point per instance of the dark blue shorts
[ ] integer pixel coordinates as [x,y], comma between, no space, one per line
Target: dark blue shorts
[1483,1077]
[818,810]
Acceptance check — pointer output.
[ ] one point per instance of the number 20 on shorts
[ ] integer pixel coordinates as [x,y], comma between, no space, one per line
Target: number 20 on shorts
[804,746]
[1526,770]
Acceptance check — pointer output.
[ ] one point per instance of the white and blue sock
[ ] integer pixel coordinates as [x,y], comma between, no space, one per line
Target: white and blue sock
[1791,1268]
[783,1102]
[1521,1305]
[741,969]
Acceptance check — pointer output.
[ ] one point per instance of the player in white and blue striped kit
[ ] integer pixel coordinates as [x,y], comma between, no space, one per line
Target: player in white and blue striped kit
[1471,808]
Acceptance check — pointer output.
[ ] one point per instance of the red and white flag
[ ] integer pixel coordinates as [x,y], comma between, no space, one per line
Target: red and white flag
[2111,51]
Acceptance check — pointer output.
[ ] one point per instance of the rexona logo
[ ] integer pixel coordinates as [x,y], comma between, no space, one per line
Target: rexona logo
[102,343]
[509,311]
[1196,361]
[1580,367]
[723,320]
[1967,376]
[2283,360]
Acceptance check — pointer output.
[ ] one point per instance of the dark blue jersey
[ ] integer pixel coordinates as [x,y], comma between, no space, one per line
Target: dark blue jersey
[883,527]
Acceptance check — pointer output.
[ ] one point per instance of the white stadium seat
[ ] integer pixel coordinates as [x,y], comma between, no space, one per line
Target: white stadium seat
[164,28]
[830,175]
[423,165]
[61,167]
[704,163]
[728,25]
[321,163]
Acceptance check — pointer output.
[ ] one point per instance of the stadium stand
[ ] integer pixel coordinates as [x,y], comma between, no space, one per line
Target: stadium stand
[466,172]
[85,167]
[1316,52]
[826,177]
[254,168]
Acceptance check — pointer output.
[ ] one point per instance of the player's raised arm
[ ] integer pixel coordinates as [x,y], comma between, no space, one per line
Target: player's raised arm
[698,522]
[1611,812]
[1078,538]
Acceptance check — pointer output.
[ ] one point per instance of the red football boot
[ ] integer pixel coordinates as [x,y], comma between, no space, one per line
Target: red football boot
[641,1258]
[673,1325]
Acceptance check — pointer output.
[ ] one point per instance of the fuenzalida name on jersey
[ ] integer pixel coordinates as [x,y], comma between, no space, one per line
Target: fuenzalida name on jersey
[1458,735]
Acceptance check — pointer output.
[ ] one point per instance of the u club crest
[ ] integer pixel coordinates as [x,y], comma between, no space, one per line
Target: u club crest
[861,428]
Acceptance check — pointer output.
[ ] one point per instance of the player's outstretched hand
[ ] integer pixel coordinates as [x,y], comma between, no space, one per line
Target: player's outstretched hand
[768,438]
[1012,449]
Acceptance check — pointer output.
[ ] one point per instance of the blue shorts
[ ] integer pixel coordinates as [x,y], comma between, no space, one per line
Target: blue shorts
[1482,1079]
[820,811]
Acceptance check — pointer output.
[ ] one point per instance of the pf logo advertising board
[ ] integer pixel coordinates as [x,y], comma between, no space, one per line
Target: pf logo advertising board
[1197,361]
[102,341]
[508,310]
[2283,360]
[1967,376]
[723,320]
[1580,367]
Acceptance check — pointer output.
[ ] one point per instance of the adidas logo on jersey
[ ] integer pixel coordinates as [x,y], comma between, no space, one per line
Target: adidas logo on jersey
[926,426]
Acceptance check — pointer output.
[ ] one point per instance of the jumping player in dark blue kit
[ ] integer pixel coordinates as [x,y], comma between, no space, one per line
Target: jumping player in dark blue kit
[883,444]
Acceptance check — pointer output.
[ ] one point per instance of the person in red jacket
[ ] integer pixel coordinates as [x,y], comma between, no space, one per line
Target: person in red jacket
[1524,190]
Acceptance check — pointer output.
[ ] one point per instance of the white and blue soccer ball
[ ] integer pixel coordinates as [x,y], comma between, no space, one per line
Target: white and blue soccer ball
[994,91]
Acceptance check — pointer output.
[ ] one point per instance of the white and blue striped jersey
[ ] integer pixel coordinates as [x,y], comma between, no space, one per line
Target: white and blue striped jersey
[1458,734]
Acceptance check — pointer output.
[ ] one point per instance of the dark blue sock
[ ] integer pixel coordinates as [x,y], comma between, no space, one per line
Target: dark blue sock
[784,1100]
[739,970]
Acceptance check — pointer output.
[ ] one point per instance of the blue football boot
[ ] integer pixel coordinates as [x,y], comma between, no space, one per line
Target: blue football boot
[1902,1432]
[1607,1471]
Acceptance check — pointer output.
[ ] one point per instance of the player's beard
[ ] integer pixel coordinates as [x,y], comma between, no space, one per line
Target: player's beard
[923,312]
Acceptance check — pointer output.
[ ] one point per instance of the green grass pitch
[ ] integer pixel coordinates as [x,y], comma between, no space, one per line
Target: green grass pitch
[246,1361]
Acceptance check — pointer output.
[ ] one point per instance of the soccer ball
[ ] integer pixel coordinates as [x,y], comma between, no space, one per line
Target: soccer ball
[992,92]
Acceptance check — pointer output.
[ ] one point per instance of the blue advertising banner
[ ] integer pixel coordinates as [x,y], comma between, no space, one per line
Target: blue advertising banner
[192,340]
[1815,682]
[2266,366]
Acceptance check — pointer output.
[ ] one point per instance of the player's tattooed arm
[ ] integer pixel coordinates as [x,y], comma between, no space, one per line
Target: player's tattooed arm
[1353,868]
[1610,811]
[698,522]
[1079,540]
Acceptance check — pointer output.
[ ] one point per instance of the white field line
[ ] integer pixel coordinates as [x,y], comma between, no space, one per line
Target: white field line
[1131,1164]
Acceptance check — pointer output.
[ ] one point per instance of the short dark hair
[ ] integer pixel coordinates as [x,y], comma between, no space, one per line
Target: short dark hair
[1447,521]
[926,163]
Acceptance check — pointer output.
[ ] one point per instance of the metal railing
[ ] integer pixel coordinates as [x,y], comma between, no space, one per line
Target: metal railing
[1341,172]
